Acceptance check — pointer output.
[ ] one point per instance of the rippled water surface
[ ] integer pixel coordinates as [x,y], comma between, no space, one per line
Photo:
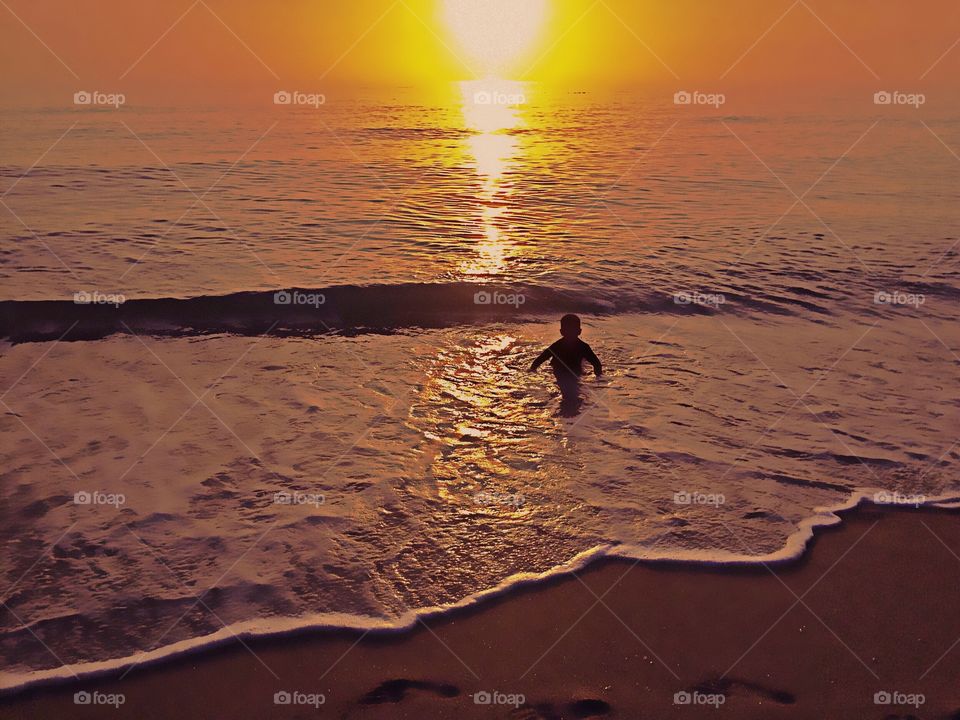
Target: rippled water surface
[818,359]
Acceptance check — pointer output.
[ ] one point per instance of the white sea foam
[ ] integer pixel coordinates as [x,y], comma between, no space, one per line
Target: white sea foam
[334,622]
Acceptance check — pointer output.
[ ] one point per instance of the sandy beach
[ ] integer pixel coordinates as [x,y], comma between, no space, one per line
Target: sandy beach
[872,607]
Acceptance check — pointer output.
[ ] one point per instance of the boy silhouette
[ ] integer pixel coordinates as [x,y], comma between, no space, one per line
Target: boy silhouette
[567,354]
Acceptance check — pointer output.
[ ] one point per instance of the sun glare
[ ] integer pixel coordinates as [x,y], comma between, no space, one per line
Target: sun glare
[494,36]
[490,111]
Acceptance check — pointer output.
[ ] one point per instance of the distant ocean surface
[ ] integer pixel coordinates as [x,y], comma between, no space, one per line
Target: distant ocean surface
[774,298]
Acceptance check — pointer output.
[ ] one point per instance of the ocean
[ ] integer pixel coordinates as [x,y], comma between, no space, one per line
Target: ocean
[265,369]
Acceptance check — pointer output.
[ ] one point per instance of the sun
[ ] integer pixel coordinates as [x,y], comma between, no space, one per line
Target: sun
[494,36]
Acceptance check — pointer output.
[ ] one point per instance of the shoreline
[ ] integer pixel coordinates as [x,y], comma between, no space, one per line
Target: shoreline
[430,668]
[796,546]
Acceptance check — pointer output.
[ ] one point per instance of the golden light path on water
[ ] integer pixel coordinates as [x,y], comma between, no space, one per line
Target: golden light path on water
[479,459]
[490,111]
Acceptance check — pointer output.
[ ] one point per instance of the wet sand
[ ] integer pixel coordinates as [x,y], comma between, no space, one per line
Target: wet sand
[872,607]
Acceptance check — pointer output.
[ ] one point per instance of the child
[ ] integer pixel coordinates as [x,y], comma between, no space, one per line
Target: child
[567,354]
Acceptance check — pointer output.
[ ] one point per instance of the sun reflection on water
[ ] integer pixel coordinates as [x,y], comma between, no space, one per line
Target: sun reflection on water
[483,454]
[491,112]
[485,462]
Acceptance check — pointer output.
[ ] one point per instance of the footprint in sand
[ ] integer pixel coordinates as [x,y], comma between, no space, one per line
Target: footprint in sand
[579,709]
[726,686]
[394,691]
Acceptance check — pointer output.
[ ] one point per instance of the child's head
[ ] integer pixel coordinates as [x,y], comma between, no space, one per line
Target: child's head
[570,326]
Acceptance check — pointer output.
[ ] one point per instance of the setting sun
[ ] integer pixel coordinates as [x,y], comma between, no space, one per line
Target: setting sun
[495,35]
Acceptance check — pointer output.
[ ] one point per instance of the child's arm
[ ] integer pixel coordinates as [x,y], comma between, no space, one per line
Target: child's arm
[591,358]
[541,359]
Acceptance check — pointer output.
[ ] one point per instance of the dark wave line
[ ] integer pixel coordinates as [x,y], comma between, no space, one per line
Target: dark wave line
[303,311]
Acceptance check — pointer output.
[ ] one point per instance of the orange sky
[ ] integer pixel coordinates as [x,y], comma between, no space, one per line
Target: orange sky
[333,45]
